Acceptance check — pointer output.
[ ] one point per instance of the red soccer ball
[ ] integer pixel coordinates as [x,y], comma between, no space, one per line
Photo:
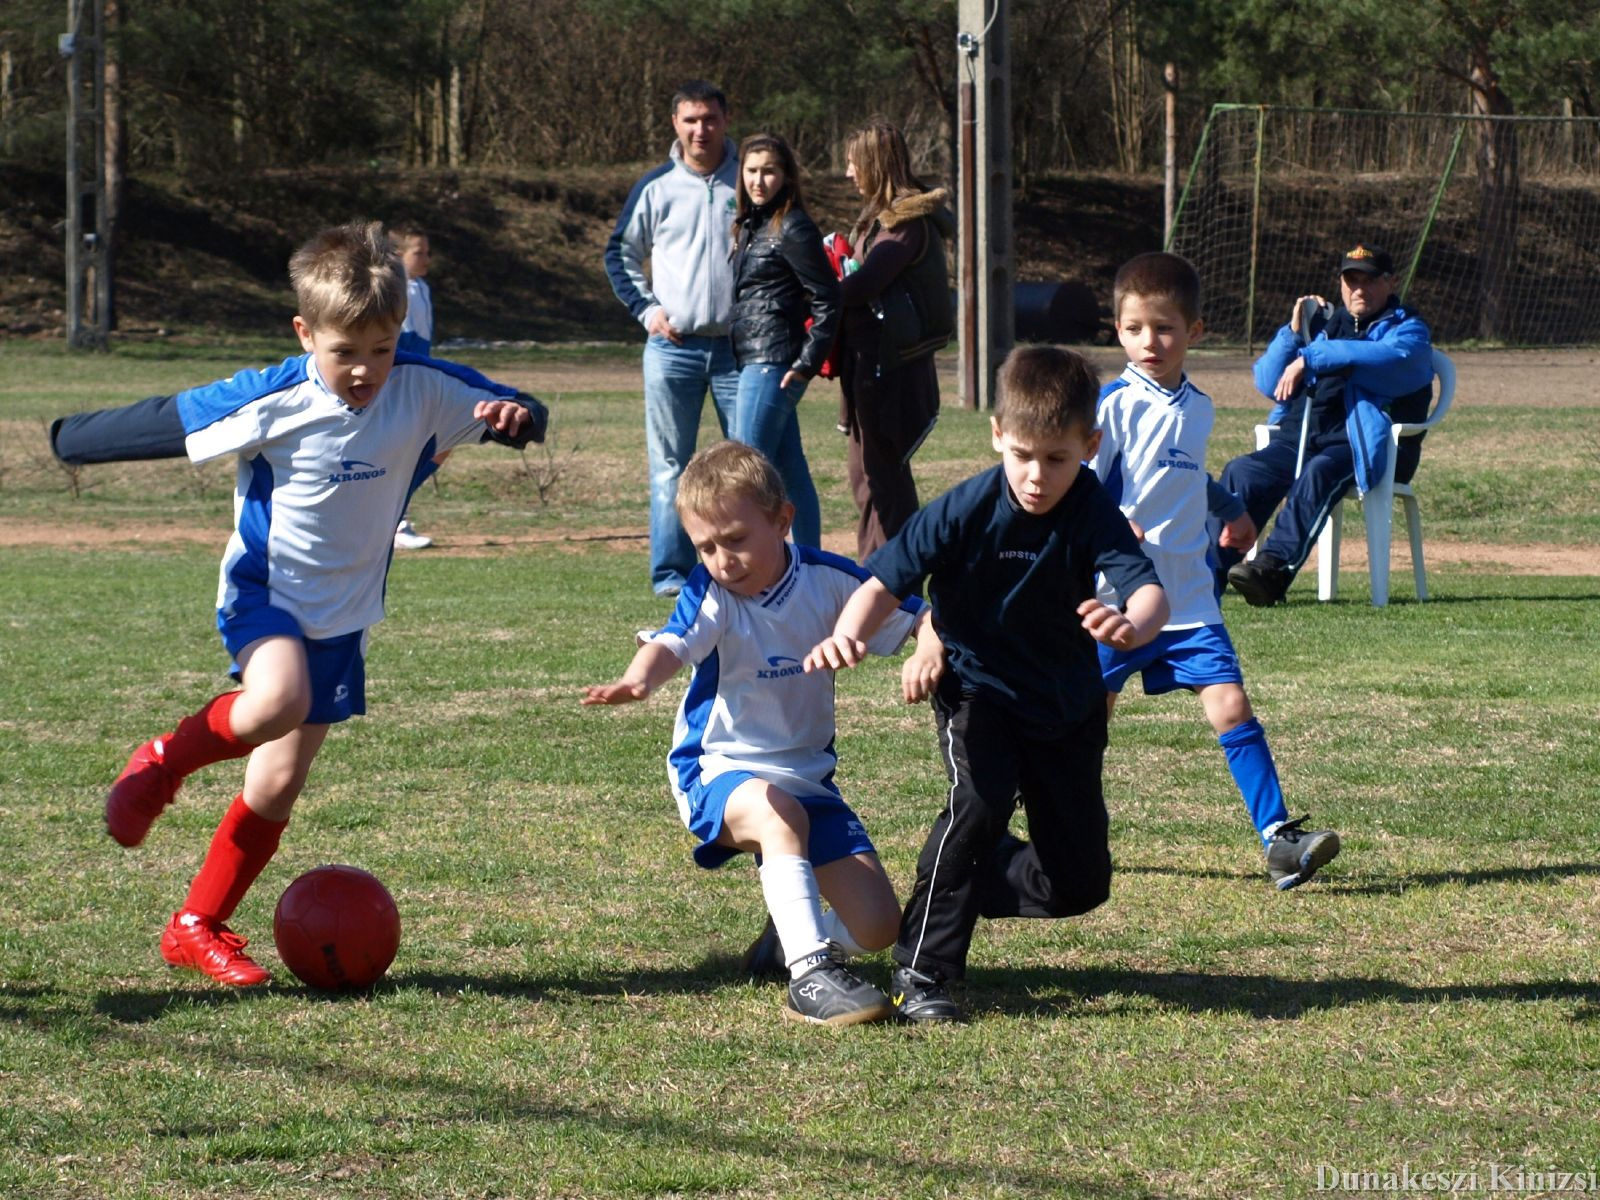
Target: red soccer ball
[337,928]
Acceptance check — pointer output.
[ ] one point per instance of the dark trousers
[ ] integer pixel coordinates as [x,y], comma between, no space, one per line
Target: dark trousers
[1265,479]
[888,417]
[971,866]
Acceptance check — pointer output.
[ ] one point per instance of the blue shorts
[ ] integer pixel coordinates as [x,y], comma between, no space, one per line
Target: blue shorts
[337,665]
[1177,658]
[836,832]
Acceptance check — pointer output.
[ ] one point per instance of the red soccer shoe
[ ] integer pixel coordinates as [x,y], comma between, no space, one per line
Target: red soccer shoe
[136,799]
[190,940]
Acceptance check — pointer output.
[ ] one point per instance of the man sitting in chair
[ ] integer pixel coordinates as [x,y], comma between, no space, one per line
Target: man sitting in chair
[1339,376]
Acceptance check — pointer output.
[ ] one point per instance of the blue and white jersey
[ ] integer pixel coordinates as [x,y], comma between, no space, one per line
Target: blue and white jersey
[1152,459]
[416,333]
[750,706]
[321,485]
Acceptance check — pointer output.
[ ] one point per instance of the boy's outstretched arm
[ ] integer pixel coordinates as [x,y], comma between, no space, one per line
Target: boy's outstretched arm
[515,422]
[134,432]
[653,664]
[921,672]
[868,608]
[1137,622]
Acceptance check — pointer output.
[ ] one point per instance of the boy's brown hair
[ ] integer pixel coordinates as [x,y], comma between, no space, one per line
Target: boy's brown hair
[1162,277]
[1045,392]
[349,277]
[723,474]
[403,233]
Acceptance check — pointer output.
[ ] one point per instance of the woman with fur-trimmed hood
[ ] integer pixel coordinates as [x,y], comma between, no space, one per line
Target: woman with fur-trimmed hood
[897,313]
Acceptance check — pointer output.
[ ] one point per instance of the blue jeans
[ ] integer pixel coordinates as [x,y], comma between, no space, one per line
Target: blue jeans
[765,418]
[675,381]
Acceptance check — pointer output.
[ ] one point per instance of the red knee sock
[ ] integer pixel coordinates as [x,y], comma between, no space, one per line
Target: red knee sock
[242,846]
[203,738]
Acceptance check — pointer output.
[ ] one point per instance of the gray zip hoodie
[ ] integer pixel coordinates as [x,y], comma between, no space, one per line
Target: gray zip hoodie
[680,220]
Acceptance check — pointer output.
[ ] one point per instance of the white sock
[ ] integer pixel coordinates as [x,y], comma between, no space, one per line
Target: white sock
[790,888]
[835,930]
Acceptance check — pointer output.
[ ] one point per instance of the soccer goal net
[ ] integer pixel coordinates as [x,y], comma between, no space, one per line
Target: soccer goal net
[1493,222]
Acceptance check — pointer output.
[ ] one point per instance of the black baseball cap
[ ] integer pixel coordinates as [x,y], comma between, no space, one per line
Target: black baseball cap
[1373,260]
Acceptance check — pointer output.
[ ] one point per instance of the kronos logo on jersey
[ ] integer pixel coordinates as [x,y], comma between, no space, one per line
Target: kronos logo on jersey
[1178,462]
[779,666]
[353,470]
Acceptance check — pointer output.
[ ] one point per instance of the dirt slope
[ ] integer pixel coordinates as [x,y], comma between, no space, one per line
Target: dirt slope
[515,256]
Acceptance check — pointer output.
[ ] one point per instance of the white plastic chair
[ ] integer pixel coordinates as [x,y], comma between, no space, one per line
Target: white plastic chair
[1377,506]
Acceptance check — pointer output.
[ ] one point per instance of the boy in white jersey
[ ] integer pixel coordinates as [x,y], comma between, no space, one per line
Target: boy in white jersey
[752,761]
[1154,426]
[416,336]
[330,446]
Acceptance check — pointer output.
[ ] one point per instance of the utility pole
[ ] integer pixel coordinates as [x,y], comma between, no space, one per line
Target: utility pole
[988,319]
[88,240]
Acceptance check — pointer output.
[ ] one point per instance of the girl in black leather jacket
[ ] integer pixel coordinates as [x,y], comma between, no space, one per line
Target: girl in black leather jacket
[785,315]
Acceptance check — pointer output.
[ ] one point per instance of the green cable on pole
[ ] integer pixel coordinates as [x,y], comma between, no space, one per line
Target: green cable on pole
[1433,210]
[1255,234]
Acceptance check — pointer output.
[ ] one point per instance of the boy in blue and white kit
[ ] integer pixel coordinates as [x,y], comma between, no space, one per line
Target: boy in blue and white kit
[1154,428]
[330,445]
[416,337]
[752,759]
[416,256]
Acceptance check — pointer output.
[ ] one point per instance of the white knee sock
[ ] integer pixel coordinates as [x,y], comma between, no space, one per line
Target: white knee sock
[837,932]
[790,888]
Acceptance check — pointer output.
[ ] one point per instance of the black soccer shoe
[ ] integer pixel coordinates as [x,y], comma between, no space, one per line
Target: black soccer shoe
[828,994]
[764,958]
[1262,583]
[922,998]
[1295,854]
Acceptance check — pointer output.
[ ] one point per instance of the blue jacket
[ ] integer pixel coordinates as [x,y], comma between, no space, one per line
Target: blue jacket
[1387,360]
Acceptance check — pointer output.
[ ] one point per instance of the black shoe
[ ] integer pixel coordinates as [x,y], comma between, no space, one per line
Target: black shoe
[764,958]
[1294,854]
[828,994]
[1262,583]
[918,997]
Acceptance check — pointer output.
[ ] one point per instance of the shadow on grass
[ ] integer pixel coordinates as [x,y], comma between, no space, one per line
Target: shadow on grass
[1399,883]
[651,1149]
[141,1006]
[1363,601]
[1389,885]
[1032,991]
[1027,991]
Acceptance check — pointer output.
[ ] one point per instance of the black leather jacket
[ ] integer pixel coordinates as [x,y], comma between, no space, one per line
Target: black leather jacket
[779,279]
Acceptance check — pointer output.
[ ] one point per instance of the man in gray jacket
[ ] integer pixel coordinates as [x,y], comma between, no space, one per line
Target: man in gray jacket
[679,216]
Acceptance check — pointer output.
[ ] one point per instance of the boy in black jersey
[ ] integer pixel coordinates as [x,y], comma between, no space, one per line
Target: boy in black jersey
[1010,558]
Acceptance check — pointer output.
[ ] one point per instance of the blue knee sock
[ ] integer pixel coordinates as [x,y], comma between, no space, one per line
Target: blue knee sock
[1254,772]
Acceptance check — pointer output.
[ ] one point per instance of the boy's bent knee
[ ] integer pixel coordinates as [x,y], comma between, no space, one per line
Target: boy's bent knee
[1086,891]
[271,712]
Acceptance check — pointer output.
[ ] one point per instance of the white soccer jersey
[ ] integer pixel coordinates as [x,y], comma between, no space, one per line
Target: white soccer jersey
[419,310]
[750,706]
[321,485]
[1152,460]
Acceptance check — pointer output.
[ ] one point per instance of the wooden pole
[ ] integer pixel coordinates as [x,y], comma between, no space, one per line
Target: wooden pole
[1169,77]
[967,236]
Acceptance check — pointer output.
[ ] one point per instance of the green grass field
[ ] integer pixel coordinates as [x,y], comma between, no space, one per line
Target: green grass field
[563,1018]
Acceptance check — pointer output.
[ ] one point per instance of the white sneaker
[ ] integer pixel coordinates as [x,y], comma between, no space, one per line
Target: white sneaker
[406,537]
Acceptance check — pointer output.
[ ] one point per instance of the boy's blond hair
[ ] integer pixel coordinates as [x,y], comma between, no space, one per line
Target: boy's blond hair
[722,475]
[1159,276]
[1046,392]
[349,277]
